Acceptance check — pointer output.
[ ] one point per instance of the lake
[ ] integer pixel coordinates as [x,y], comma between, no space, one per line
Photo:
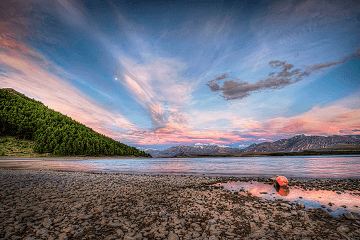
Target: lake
[335,167]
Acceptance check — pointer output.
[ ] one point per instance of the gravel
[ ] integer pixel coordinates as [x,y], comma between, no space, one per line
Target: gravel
[78,205]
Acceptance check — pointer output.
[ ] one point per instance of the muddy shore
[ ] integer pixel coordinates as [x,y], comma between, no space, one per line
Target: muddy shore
[78,205]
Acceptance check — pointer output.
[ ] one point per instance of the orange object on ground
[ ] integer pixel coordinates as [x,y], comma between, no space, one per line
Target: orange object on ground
[282,181]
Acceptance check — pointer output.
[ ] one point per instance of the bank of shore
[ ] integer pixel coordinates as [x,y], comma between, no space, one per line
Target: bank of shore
[78,205]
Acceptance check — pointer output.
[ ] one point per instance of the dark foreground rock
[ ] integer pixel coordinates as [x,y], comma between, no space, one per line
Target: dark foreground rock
[75,205]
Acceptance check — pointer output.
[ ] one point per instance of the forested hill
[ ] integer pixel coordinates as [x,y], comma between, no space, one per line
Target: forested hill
[53,132]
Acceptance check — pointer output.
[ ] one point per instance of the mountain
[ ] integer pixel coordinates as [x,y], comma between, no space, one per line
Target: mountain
[302,142]
[52,132]
[295,144]
[204,150]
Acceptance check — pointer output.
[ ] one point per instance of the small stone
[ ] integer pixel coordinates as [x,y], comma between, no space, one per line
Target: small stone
[173,236]
[127,237]
[42,232]
[47,223]
[111,237]
[63,236]
[119,233]
[114,224]
[79,234]
[99,209]
[212,237]
[68,229]
[343,229]
[85,217]
[212,221]
[349,216]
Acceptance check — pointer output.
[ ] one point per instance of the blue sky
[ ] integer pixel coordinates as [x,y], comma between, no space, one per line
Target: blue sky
[157,74]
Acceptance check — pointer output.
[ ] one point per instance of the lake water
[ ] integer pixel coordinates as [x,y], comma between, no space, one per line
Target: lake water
[335,167]
[300,167]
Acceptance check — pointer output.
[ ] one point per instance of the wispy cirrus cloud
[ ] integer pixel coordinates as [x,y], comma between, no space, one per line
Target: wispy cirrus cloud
[159,87]
[318,67]
[29,72]
[236,89]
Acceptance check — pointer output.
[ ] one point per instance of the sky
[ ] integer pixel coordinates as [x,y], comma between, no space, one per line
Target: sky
[157,74]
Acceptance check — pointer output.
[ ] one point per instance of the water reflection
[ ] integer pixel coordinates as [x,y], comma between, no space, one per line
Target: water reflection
[282,191]
[329,200]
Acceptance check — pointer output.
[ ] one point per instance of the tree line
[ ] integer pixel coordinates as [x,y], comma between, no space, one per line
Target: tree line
[53,132]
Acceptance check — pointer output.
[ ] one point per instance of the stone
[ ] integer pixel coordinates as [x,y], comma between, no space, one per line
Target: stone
[85,217]
[212,237]
[78,234]
[63,236]
[196,227]
[111,237]
[42,232]
[119,233]
[127,237]
[349,216]
[47,223]
[343,229]
[114,224]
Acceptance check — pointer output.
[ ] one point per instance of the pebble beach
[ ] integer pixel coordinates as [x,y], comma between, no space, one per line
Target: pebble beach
[42,204]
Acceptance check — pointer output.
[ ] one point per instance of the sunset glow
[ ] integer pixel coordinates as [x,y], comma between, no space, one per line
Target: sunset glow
[158,75]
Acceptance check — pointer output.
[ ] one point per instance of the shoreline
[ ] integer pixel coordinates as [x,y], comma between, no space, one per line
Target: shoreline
[66,205]
[8,158]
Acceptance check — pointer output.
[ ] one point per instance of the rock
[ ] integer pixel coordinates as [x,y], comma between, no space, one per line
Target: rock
[127,237]
[78,234]
[253,227]
[85,217]
[62,236]
[212,237]
[47,223]
[173,236]
[282,181]
[196,227]
[212,221]
[42,232]
[68,229]
[119,233]
[99,209]
[114,224]
[111,237]
[349,216]
[343,229]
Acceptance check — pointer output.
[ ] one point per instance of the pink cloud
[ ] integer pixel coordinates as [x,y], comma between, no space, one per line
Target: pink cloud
[29,75]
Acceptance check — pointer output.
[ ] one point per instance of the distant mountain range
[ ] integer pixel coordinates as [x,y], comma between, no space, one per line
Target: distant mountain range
[177,151]
[295,144]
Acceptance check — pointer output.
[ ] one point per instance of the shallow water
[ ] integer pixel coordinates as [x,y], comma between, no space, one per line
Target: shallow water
[311,198]
[335,167]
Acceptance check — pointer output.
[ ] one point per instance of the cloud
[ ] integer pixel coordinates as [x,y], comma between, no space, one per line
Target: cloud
[318,67]
[341,131]
[158,86]
[236,89]
[262,139]
[356,130]
[34,77]
[319,120]
[243,146]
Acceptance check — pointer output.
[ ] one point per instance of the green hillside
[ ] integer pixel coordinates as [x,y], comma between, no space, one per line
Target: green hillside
[52,132]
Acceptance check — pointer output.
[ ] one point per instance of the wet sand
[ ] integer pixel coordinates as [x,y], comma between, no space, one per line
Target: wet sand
[81,205]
